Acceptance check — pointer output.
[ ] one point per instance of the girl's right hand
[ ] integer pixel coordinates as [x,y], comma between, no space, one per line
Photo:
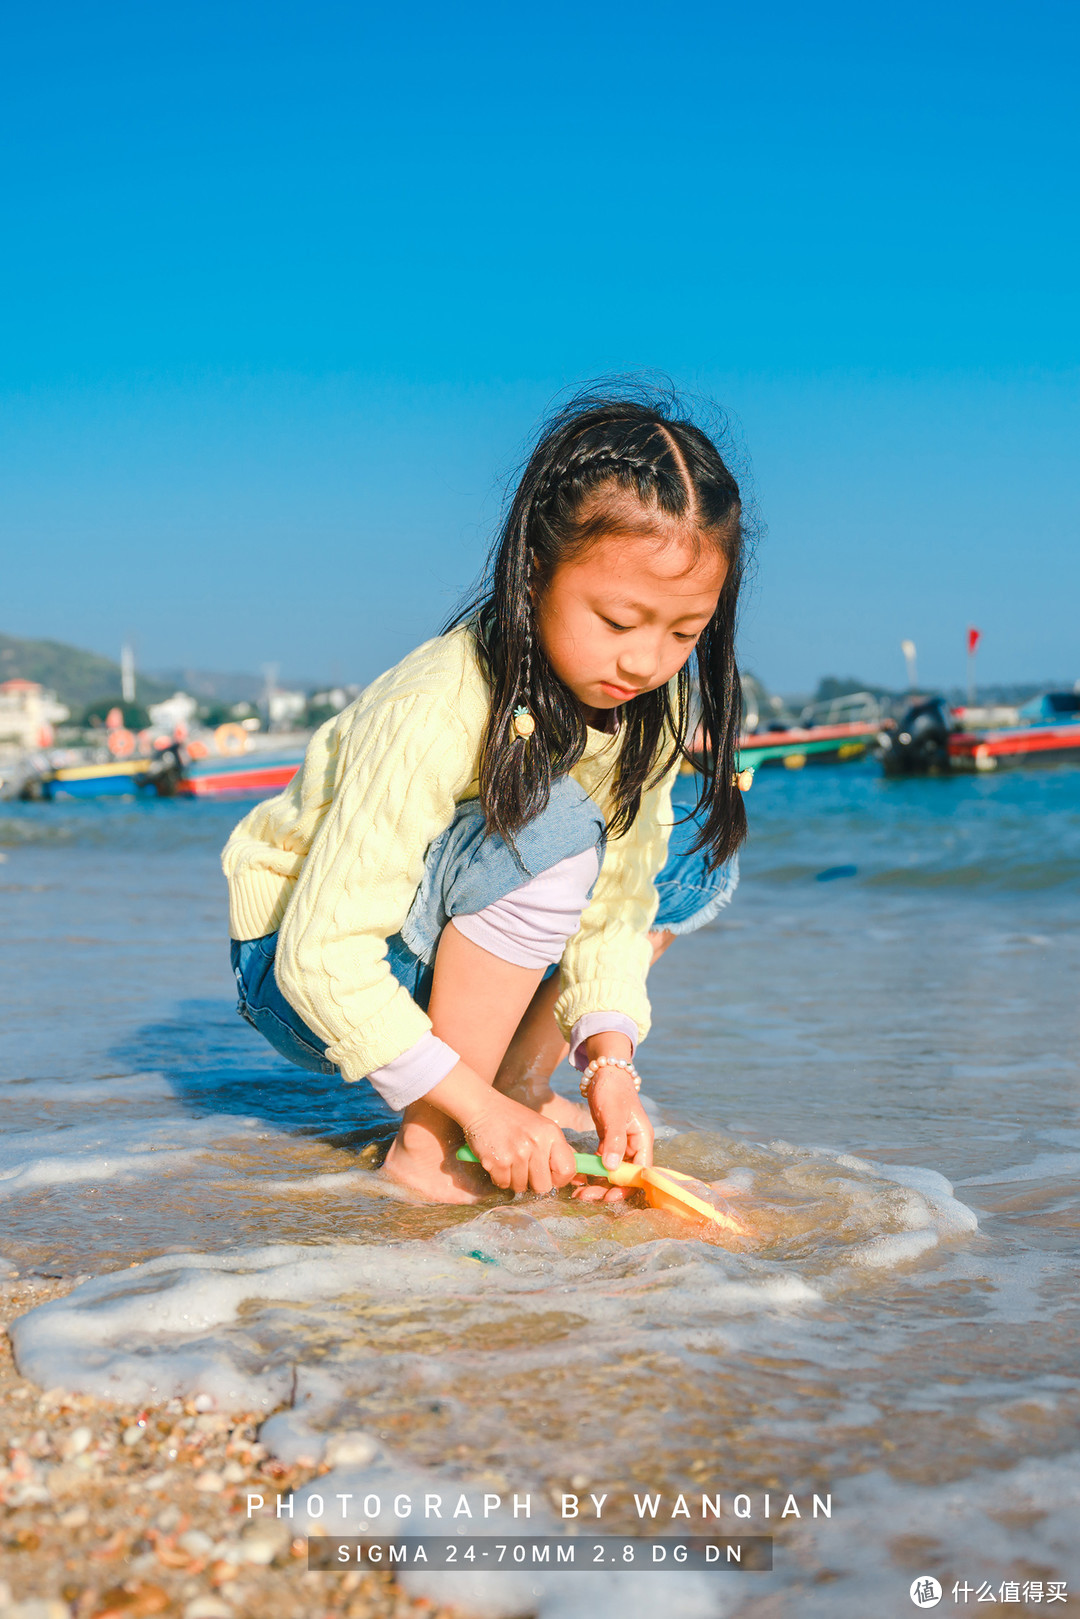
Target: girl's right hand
[520,1149]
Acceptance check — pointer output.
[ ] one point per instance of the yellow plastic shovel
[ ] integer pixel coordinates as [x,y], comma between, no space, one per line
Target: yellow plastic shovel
[663,1188]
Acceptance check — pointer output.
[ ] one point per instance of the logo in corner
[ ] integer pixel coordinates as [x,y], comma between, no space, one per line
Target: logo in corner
[925,1591]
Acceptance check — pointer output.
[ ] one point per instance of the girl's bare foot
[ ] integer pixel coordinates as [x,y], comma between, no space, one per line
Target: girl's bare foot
[566,1114]
[457,1184]
[422,1159]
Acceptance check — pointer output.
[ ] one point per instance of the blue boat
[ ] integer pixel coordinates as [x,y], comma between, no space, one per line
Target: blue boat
[118,779]
[111,778]
[1052,708]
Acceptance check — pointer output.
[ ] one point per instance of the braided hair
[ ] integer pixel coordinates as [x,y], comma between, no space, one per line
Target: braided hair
[594,453]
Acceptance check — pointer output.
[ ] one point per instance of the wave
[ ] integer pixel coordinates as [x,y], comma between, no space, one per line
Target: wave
[1019,875]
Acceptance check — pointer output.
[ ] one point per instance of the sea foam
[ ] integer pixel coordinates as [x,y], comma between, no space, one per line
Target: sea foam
[233,1325]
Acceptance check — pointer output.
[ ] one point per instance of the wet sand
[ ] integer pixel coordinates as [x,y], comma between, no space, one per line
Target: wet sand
[116,1512]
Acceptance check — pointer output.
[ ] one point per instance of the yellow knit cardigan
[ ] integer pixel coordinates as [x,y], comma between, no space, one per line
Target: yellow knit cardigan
[334,861]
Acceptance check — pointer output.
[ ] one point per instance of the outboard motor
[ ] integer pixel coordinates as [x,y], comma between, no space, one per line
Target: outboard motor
[167,771]
[920,744]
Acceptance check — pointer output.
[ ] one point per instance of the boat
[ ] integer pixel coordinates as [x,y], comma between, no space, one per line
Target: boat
[932,739]
[245,775]
[1052,708]
[173,774]
[225,763]
[809,745]
[119,778]
[795,746]
[113,778]
[1040,744]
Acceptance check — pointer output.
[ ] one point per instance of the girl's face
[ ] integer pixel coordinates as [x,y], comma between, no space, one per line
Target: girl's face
[623,618]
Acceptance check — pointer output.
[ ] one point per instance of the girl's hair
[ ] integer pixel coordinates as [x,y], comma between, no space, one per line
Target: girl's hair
[597,451]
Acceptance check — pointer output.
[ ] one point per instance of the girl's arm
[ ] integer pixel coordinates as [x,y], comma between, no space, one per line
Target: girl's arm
[396,787]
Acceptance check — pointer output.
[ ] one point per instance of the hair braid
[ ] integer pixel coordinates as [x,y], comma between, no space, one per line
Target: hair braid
[592,458]
[522,710]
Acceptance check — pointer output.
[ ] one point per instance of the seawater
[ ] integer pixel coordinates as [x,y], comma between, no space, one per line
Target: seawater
[878,1064]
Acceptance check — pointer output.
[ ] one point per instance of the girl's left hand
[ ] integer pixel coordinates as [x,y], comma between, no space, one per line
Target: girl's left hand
[622,1125]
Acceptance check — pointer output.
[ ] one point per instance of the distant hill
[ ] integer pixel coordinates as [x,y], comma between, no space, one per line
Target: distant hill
[830,687]
[1014,693]
[213,685]
[78,678]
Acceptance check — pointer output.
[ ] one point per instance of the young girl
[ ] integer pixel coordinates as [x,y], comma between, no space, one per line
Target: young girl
[478,862]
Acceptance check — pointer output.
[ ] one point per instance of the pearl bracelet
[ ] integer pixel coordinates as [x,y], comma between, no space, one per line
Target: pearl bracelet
[608,1062]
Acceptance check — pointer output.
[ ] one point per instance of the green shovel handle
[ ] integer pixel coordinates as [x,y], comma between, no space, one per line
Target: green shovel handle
[588,1163]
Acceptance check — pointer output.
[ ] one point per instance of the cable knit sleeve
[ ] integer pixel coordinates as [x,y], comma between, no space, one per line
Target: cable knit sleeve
[605,964]
[398,779]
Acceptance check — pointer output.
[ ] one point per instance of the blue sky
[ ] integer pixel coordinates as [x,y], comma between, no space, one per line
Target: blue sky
[285,289]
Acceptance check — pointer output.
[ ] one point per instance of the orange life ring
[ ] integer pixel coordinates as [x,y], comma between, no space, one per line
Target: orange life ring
[121,743]
[231,738]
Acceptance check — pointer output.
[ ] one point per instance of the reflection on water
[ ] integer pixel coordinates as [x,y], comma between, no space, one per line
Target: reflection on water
[829,1052]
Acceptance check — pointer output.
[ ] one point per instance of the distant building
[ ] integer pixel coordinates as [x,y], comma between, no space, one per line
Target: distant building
[175,712]
[28,713]
[337,698]
[285,708]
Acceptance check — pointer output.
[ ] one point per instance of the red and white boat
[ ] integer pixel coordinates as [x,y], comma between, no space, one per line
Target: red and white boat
[258,774]
[1019,745]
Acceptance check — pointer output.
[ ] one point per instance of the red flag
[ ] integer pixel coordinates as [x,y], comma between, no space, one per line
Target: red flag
[974,636]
